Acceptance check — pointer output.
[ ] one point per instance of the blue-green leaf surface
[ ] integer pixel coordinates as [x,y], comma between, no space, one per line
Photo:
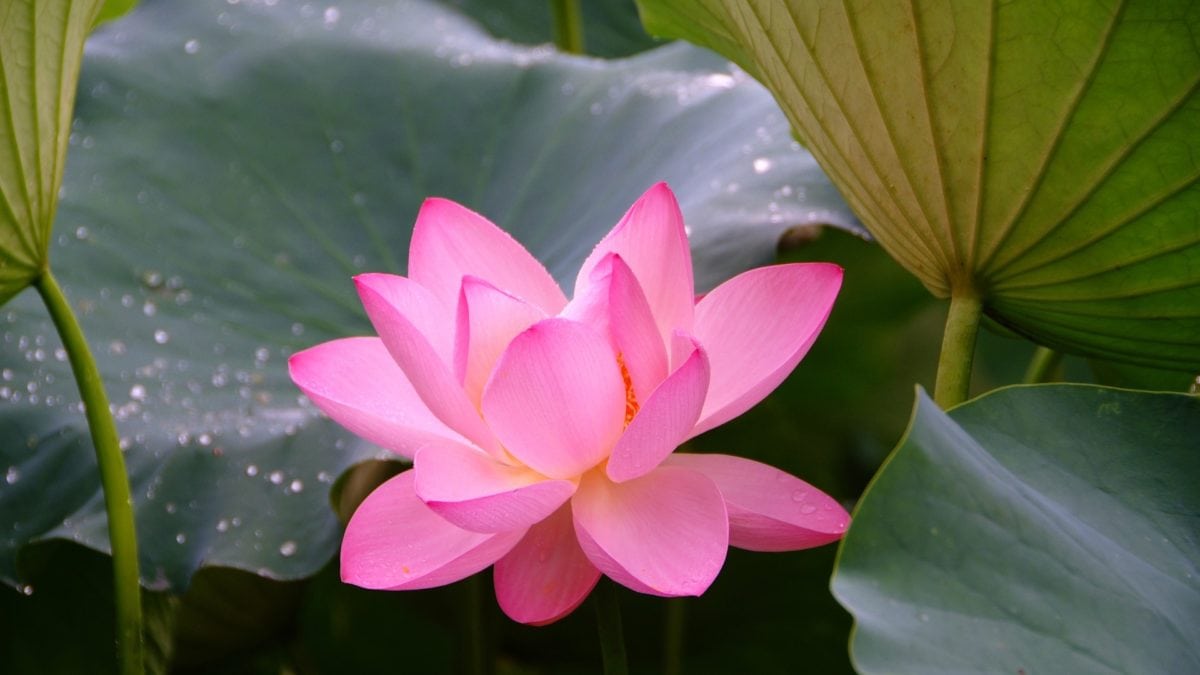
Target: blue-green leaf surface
[1043,529]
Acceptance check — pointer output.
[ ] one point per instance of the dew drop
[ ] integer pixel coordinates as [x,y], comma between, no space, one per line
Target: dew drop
[798,495]
[12,475]
[287,549]
[152,279]
[720,81]
[807,509]
[191,46]
[297,485]
[137,392]
[762,165]
[276,477]
[252,470]
[161,336]
[222,525]
[181,538]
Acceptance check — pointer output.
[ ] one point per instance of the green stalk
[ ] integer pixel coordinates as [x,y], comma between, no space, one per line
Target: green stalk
[115,481]
[476,638]
[608,621]
[958,350]
[673,648]
[1042,366]
[568,25]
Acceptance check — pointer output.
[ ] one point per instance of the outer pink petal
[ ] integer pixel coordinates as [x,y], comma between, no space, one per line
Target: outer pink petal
[664,421]
[450,241]
[402,311]
[488,319]
[756,327]
[665,533]
[556,398]
[393,541]
[769,510]
[356,382]
[546,576]
[477,493]
[652,240]
[614,303]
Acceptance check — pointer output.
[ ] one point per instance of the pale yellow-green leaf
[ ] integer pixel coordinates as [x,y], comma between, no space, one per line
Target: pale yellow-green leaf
[41,44]
[1043,154]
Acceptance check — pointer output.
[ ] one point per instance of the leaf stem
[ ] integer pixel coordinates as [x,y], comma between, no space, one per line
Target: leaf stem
[1042,366]
[608,622]
[114,480]
[568,25]
[958,349]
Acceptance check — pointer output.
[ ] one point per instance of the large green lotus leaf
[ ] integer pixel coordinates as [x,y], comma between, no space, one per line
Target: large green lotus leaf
[41,43]
[1043,155]
[234,165]
[1051,528]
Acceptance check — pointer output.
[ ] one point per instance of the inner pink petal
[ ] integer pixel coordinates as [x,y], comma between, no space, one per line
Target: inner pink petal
[652,241]
[450,242]
[389,307]
[613,302]
[546,576]
[665,533]
[477,493]
[385,294]
[556,399]
[663,422]
[488,319]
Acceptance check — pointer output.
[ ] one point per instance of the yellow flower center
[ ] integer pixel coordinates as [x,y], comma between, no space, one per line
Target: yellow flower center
[631,402]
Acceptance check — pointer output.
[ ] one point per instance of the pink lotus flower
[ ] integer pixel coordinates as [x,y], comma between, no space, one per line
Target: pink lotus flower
[541,431]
